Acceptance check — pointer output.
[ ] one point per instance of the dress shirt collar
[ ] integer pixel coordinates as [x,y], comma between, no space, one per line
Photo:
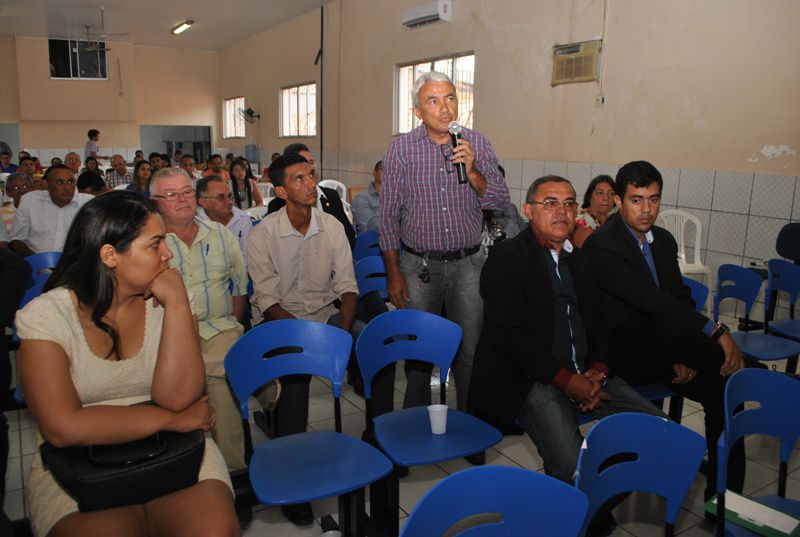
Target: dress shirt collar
[647,236]
[286,229]
[567,246]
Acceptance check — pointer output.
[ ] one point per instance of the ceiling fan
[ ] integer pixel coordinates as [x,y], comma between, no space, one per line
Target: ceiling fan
[249,115]
[97,36]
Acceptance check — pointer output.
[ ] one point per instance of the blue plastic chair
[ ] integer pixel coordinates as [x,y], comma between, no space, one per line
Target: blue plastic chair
[778,397]
[366,245]
[405,435]
[743,284]
[371,276]
[699,293]
[660,457]
[783,276]
[306,466]
[530,504]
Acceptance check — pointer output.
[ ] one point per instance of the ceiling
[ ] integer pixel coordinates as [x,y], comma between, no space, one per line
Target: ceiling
[218,24]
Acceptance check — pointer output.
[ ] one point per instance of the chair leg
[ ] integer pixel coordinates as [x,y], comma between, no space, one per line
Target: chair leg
[791,365]
[720,525]
[669,530]
[676,408]
[385,505]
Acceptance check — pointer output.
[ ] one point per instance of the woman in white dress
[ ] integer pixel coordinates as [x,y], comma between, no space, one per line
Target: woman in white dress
[114,328]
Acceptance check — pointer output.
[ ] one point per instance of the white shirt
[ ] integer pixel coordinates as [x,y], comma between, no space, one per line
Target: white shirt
[240,225]
[43,225]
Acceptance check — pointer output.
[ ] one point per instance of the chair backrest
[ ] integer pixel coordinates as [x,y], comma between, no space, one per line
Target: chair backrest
[43,263]
[699,293]
[778,398]
[257,213]
[348,212]
[371,276]
[406,335]
[788,241]
[783,276]
[737,282]
[123,186]
[529,503]
[267,190]
[337,186]
[675,221]
[660,457]
[290,346]
[366,245]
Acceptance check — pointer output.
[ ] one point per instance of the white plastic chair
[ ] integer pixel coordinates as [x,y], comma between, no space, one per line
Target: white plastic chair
[347,211]
[674,221]
[267,190]
[121,187]
[256,213]
[336,185]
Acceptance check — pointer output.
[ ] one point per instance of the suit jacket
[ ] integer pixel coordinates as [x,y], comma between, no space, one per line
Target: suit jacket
[629,295]
[332,204]
[515,346]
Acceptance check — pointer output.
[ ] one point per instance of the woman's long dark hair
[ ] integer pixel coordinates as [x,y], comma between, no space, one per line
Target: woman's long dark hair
[248,185]
[587,198]
[115,218]
[136,181]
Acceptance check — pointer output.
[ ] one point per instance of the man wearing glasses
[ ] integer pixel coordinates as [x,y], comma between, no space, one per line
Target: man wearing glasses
[542,352]
[436,222]
[43,217]
[208,258]
[216,204]
[17,184]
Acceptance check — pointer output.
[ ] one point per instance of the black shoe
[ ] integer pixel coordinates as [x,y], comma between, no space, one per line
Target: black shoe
[477,459]
[245,516]
[299,515]
[264,423]
[602,527]
[357,382]
[402,471]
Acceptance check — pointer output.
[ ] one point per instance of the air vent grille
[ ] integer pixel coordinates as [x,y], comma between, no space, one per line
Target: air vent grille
[576,62]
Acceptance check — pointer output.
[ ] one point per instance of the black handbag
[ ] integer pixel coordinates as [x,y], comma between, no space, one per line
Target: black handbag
[102,477]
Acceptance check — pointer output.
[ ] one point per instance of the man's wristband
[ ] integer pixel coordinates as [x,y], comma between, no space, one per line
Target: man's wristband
[720,330]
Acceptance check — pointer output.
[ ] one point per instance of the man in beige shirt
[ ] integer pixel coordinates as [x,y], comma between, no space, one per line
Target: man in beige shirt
[300,263]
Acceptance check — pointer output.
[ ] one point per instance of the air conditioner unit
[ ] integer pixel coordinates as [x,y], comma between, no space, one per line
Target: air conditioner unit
[576,62]
[427,13]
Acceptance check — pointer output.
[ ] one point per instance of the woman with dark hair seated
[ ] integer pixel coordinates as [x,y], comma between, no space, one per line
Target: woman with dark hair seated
[243,185]
[114,328]
[598,205]
[92,165]
[142,173]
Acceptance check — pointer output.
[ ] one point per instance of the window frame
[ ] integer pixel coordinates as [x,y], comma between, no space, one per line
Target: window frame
[430,60]
[237,118]
[281,115]
[70,41]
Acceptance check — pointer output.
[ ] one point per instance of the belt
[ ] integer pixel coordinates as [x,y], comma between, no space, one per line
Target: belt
[445,255]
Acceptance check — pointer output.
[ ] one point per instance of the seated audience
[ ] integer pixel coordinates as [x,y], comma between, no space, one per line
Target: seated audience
[91,164]
[17,184]
[216,204]
[91,183]
[365,204]
[215,167]
[301,265]
[229,158]
[118,175]
[28,166]
[43,217]
[38,165]
[166,160]
[4,238]
[142,172]
[177,156]
[156,162]
[138,153]
[328,199]
[208,258]
[598,205]
[6,166]
[655,333]
[187,164]
[245,189]
[73,161]
[56,160]
[96,343]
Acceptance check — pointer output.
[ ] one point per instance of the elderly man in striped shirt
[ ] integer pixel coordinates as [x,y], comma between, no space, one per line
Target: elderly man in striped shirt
[437,221]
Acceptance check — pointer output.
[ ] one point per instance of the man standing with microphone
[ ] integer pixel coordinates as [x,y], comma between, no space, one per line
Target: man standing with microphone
[436,220]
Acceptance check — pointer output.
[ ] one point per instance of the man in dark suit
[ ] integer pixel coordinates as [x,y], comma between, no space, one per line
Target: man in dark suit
[655,333]
[541,356]
[328,198]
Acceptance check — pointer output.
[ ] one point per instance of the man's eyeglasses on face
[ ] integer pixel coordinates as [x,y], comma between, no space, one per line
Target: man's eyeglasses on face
[553,205]
[218,197]
[62,182]
[174,196]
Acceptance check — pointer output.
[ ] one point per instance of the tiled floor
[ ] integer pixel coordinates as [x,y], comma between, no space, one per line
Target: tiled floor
[640,515]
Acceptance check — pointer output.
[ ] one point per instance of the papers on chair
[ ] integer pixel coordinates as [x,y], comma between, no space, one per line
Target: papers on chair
[755,516]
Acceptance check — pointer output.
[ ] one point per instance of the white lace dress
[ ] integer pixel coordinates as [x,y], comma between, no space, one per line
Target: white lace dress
[53,317]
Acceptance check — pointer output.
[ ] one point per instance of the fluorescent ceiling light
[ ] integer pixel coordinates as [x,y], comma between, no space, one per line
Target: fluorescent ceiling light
[182,27]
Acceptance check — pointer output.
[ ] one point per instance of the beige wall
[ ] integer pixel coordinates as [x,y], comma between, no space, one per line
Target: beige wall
[57,113]
[686,84]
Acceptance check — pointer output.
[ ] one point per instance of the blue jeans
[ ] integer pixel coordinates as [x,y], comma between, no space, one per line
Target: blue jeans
[551,421]
[454,286]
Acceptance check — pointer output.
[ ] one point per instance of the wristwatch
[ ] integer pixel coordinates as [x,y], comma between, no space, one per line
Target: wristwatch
[720,330]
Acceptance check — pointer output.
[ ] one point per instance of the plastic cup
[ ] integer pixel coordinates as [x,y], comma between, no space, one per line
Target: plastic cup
[438,416]
[332,533]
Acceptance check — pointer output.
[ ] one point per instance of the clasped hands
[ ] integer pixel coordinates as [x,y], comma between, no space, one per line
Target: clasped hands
[587,390]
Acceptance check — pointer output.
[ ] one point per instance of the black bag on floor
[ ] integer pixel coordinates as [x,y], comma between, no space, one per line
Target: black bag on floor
[102,477]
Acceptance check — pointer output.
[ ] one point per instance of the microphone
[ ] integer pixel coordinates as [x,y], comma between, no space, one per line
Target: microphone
[455,135]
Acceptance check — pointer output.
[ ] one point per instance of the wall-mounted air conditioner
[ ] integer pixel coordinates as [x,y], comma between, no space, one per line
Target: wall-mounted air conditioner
[427,13]
[576,62]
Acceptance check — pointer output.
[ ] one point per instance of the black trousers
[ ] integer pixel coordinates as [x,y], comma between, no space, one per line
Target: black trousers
[646,354]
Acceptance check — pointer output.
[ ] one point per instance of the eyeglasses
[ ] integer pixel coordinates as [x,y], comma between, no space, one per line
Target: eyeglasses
[552,205]
[218,197]
[62,182]
[174,196]
[15,188]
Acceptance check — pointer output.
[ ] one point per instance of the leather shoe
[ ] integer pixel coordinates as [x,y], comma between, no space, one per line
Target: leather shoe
[602,526]
[477,459]
[299,514]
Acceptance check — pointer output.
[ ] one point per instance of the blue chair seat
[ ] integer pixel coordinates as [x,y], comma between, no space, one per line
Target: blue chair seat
[399,435]
[654,391]
[786,327]
[313,465]
[760,346]
[790,507]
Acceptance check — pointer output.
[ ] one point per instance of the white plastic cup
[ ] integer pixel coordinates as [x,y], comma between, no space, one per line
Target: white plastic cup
[438,416]
[332,533]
